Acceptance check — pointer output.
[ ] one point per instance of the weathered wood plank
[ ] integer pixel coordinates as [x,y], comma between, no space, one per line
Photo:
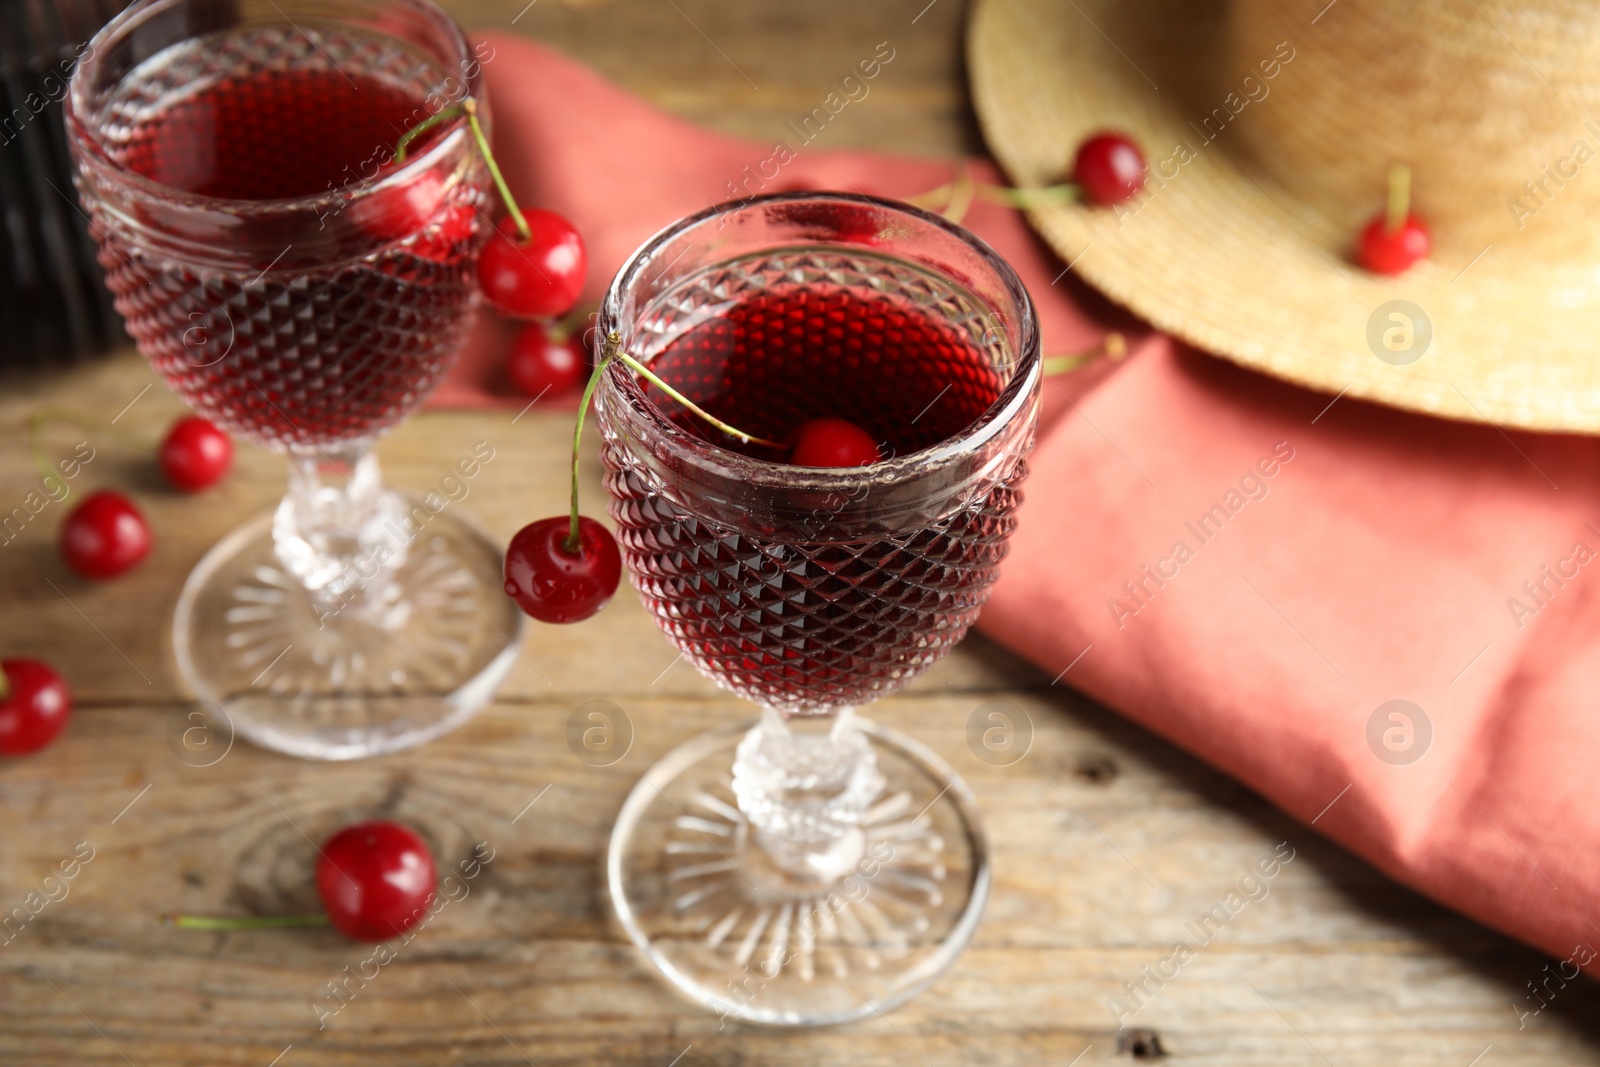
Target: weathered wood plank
[1364,971]
[749,69]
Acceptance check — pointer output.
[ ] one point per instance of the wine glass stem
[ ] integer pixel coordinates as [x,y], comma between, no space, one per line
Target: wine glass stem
[804,782]
[340,530]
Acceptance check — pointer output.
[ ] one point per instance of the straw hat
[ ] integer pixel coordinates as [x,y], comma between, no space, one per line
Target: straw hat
[1270,127]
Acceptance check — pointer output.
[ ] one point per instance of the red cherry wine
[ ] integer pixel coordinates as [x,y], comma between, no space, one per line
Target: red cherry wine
[300,356]
[271,135]
[814,625]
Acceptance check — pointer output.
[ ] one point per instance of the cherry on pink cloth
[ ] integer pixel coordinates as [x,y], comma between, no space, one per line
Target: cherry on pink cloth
[1231,561]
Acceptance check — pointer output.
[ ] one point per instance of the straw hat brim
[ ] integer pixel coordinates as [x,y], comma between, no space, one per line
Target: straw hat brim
[1224,259]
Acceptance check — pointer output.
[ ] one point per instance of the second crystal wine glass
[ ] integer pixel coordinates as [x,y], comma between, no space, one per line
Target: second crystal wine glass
[299,287]
[815,868]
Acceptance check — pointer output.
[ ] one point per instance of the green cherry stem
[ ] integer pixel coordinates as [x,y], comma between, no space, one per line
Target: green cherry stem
[648,375]
[1114,347]
[962,192]
[612,350]
[1041,196]
[253,922]
[403,145]
[613,345]
[36,427]
[470,106]
[40,460]
[574,321]
[1399,197]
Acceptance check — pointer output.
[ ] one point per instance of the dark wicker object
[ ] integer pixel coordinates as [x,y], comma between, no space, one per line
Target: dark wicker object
[53,305]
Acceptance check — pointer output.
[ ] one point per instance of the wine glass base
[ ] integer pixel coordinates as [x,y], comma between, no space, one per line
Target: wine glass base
[360,677]
[750,940]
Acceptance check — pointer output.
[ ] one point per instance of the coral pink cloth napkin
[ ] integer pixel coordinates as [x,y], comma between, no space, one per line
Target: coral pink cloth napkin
[1387,624]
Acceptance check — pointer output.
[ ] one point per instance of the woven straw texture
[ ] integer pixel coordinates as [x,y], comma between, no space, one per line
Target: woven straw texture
[1270,126]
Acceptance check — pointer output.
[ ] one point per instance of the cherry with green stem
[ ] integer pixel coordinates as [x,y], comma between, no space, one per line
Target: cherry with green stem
[534,265]
[1395,238]
[106,535]
[565,568]
[376,880]
[195,454]
[1109,169]
[613,350]
[831,442]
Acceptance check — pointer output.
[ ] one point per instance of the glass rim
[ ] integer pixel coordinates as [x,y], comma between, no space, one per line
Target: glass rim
[1014,399]
[87,137]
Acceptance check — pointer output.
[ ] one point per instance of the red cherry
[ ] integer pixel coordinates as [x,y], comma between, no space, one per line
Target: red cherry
[539,364]
[1109,168]
[1391,252]
[540,278]
[34,709]
[829,442]
[104,536]
[376,880]
[195,454]
[555,585]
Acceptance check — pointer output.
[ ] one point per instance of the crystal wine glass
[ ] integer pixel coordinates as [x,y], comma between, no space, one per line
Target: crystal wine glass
[298,285]
[817,867]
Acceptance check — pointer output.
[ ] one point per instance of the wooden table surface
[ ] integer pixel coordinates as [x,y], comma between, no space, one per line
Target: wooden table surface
[1107,840]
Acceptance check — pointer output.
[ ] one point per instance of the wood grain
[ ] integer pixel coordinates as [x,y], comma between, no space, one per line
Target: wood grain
[1107,840]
